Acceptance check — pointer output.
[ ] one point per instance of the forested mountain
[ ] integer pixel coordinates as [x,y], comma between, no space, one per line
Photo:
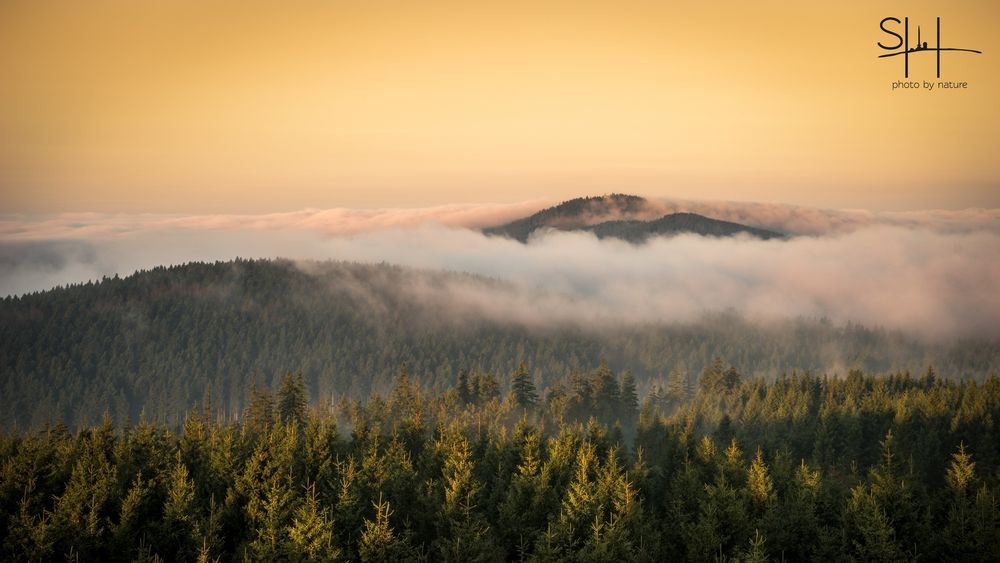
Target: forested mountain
[628,217]
[574,214]
[853,469]
[637,231]
[161,340]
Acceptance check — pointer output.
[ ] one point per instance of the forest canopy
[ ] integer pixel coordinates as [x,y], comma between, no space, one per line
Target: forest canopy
[160,340]
[803,468]
[271,410]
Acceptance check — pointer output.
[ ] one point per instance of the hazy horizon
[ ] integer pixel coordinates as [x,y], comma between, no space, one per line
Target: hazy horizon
[928,273]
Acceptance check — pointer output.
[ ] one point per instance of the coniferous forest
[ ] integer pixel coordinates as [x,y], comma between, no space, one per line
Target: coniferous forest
[485,282]
[803,468]
[279,411]
[160,340]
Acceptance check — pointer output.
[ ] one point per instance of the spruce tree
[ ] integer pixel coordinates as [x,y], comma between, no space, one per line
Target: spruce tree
[259,415]
[712,378]
[405,400]
[629,398]
[292,399]
[180,519]
[522,388]
[465,395]
[605,390]
[759,482]
[678,387]
[961,474]
[379,542]
[312,531]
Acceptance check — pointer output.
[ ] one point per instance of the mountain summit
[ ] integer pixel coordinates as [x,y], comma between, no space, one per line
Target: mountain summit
[627,217]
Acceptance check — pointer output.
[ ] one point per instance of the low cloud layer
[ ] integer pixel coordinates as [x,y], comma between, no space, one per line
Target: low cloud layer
[930,274]
[798,220]
[933,285]
[339,221]
[789,219]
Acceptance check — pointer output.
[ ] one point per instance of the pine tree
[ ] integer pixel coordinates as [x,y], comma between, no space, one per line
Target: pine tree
[893,493]
[759,483]
[272,517]
[487,387]
[312,531]
[629,398]
[712,378]
[207,406]
[877,512]
[522,515]
[348,509]
[755,552]
[734,467]
[522,388]
[465,395]
[807,479]
[180,520]
[731,379]
[720,524]
[605,392]
[929,378]
[379,543]
[205,554]
[874,538]
[132,511]
[460,487]
[958,536]
[580,504]
[81,511]
[405,400]
[706,450]
[678,387]
[259,416]
[292,399]
[961,472]
[267,488]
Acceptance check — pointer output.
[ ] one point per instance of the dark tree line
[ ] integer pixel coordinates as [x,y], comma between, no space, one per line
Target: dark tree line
[725,468]
[161,340]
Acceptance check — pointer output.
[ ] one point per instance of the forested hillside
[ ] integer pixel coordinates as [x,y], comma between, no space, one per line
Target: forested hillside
[160,340]
[627,217]
[672,224]
[858,468]
[573,214]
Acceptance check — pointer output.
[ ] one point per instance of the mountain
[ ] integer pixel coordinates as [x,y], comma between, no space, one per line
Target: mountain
[160,340]
[575,214]
[637,231]
[628,217]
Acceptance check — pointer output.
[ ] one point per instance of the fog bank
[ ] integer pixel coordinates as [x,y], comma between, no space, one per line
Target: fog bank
[930,274]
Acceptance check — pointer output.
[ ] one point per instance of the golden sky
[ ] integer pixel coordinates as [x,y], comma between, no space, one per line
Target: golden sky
[253,106]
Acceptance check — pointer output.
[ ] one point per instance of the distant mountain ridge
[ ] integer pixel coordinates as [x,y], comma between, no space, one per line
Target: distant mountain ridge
[157,341]
[675,223]
[627,217]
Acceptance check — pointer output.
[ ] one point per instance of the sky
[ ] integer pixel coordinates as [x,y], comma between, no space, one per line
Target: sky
[253,107]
